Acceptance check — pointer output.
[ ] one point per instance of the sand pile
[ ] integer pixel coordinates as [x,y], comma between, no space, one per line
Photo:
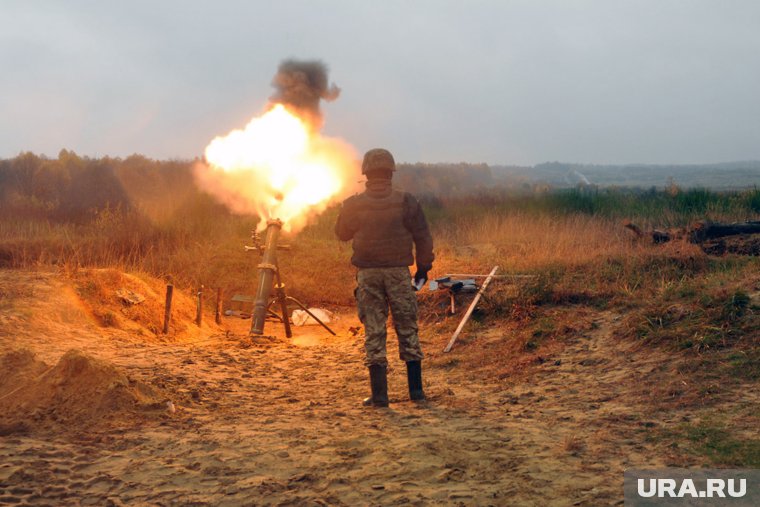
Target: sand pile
[136,303]
[79,391]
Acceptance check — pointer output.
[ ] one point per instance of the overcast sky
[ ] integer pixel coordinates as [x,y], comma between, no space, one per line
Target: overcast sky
[502,82]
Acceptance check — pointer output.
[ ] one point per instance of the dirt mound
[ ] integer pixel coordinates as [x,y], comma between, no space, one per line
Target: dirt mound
[79,391]
[131,302]
[747,244]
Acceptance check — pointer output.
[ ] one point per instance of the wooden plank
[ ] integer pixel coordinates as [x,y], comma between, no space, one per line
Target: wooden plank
[465,275]
[470,309]
[702,231]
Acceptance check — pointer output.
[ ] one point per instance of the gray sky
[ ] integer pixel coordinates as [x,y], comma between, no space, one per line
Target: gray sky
[503,82]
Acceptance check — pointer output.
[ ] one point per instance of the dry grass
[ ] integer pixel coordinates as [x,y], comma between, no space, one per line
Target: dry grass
[526,243]
[576,257]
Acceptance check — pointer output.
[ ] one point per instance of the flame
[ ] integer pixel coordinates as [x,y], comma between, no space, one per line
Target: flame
[278,166]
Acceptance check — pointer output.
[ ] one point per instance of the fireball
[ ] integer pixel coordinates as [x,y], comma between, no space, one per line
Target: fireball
[278,166]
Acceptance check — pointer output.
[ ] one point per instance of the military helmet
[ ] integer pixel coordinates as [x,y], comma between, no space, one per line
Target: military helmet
[378,158]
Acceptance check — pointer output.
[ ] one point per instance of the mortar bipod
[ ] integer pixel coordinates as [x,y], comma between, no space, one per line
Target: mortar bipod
[281,298]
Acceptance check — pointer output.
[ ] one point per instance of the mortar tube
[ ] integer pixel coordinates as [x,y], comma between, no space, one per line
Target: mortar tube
[267,269]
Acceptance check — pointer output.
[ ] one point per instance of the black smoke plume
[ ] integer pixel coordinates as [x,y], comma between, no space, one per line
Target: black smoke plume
[301,84]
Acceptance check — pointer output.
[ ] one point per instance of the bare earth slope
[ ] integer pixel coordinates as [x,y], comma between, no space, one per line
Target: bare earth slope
[278,422]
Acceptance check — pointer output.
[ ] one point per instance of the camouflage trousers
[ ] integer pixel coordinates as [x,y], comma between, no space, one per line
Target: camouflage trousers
[380,289]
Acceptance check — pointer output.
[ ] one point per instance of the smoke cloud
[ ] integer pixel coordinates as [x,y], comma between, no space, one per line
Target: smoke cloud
[301,84]
[576,177]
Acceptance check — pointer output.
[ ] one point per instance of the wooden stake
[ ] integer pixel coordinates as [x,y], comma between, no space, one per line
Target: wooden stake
[470,309]
[168,307]
[199,308]
[218,316]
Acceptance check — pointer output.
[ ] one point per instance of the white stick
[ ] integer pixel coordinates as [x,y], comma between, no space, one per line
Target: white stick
[470,309]
[466,275]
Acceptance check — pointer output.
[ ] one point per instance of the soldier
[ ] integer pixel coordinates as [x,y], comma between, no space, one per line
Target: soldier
[384,223]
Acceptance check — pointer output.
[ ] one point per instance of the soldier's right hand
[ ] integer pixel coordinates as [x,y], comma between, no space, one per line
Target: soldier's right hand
[420,277]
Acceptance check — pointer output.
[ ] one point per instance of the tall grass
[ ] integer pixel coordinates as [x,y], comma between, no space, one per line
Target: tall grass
[522,241]
[563,233]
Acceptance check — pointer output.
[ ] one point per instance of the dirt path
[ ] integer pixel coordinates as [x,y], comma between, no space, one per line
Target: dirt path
[279,423]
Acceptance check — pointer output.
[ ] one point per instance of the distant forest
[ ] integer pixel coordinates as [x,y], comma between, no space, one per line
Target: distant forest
[70,186]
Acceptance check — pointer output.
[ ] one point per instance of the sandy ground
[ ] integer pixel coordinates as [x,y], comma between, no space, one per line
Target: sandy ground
[279,422]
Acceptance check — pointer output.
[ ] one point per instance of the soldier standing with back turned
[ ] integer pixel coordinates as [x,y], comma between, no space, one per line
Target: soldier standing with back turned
[384,224]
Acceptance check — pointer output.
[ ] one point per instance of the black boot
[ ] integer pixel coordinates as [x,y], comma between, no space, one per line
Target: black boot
[414,376]
[378,379]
